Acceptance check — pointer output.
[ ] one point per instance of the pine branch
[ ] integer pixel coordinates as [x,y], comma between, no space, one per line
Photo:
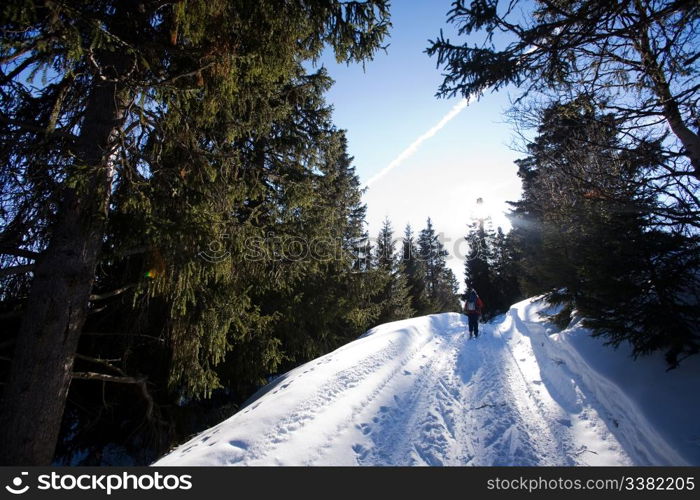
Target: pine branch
[10,271]
[19,252]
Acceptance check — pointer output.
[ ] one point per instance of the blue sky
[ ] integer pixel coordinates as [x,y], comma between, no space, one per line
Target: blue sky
[391,103]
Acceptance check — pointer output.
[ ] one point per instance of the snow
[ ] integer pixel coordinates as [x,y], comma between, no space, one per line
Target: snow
[418,392]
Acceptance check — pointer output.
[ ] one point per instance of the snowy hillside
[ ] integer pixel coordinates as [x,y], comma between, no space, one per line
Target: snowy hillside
[417,392]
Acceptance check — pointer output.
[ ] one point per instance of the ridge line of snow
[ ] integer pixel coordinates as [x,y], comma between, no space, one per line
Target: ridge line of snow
[628,422]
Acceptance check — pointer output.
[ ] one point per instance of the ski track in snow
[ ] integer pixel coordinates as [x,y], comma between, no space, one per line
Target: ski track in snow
[417,392]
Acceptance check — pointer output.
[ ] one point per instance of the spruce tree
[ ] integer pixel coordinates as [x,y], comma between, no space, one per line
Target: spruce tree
[478,272]
[414,269]
[433,255]
[446,298]
[440,283]
[142,106]
[505,272]
[395,301]
[595,225]
[385,248]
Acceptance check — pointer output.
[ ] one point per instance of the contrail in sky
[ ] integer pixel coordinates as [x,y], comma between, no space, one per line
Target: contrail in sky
[411,150]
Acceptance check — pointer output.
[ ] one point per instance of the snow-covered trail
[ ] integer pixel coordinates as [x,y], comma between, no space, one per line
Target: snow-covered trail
[418,392]
[475,403]
[465,406]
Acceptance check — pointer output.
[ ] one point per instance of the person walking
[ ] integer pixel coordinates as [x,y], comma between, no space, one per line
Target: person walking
[472,308]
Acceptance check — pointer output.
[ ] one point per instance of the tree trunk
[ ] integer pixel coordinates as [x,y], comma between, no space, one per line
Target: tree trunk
[40,376]
[661,87]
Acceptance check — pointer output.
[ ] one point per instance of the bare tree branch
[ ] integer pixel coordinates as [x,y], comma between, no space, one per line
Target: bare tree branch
[107,378]
[113,293]
[140,381]
[123,334]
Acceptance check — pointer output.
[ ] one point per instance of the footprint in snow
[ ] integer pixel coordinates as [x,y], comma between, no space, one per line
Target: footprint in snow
[238,452]
[360,451]
[365,428]
[236,443]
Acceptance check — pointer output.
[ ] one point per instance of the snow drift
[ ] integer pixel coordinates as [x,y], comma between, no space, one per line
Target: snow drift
[417,392]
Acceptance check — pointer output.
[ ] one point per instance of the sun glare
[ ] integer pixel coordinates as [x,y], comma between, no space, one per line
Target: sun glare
[480,210]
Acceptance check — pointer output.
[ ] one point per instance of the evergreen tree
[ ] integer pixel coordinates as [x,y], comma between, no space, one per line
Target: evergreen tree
[414,269]
[395,299]
[307,299]
[490,266]
[505,272]
[446,298]
[169,119]
[440,282]
[478,272]
[594,224]
[432,253]
[385,248]
[328,303]
[401,293]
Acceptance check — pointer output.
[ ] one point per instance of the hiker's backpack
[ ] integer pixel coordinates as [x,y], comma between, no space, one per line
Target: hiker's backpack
[471,302]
